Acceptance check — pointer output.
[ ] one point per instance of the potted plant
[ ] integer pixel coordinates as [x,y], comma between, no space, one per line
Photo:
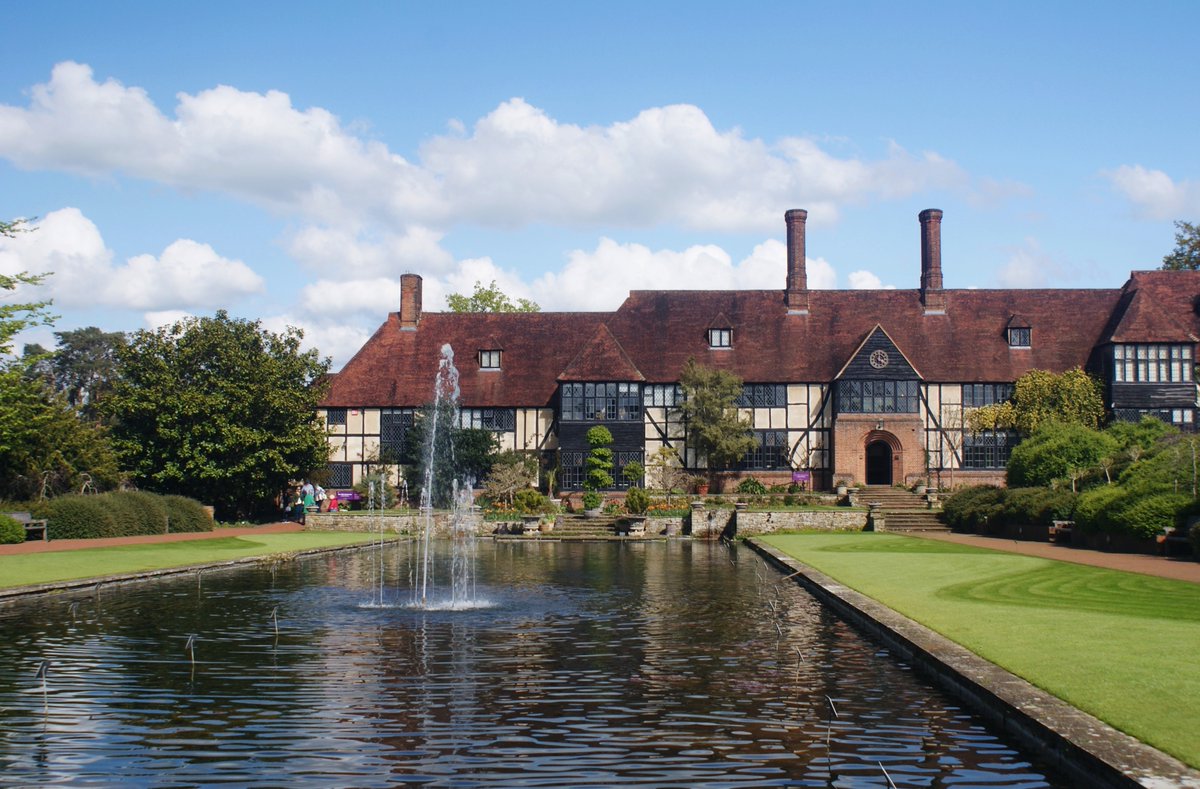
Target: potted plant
[700,483]
[591,504]
[843,485]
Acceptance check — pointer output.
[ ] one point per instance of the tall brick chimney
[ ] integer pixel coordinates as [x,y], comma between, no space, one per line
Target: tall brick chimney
[931,261]
[410,301]
[797,275]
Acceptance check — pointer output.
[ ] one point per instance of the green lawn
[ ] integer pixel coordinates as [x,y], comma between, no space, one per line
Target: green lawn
[1120,646]
[40,568]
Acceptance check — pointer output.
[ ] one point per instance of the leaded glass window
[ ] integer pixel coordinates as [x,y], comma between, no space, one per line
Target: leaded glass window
[601,402]
[394,424]
[988,449]
[720,338]
[770,451]
[661,395]
[499,420]
[489,360]
[1020,337]
[1144,363]
[977,395]
[763,396]
[335,416]
[341,475]
[877,397]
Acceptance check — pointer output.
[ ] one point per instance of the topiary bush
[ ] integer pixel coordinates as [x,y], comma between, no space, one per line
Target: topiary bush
[530,502]
[186,515]
[79,517]
[151,512]
[11,530]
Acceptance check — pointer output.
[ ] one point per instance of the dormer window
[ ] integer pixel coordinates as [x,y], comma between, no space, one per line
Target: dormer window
[1020,337]
[489,360]
[720,338]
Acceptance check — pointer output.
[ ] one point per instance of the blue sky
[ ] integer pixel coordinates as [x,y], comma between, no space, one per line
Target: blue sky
[289,161]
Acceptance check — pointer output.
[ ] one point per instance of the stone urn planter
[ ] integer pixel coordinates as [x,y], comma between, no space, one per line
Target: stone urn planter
[635,526]
[546,526]
[529,524]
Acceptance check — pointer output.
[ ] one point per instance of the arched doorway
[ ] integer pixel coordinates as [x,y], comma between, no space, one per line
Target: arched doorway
[879,463]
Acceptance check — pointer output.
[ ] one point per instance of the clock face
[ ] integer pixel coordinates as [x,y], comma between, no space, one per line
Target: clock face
[879,359]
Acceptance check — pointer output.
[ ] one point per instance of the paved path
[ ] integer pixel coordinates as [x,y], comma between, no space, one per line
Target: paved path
[1180,569]
[41,546]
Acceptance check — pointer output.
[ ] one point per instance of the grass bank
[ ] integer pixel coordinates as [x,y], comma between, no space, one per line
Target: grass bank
[1120,646]
[43,568]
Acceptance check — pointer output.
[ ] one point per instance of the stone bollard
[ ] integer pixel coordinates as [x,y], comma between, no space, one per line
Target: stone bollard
[876,521]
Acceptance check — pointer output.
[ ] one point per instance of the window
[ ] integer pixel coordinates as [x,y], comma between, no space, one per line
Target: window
[335,416]
[720,338]
[489,360]
[394,424]
[987,449]
[1020,337]
[763,396]
[572,467]
[621,459]
[605,402]
[770,451]
[877,397]
[341,475]
[976,395]
[1152,364]
[661,395]
[1184,418]
[499,420]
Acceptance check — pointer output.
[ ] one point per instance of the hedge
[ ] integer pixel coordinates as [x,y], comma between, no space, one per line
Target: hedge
[11,530]
[123,514]
[967,509]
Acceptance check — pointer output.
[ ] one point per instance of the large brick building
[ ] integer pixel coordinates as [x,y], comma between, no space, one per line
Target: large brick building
[866,385]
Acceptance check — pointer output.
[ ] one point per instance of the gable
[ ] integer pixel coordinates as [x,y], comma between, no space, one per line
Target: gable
[878,359]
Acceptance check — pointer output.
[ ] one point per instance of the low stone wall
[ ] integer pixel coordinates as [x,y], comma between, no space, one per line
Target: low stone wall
[408,523]
[712,524]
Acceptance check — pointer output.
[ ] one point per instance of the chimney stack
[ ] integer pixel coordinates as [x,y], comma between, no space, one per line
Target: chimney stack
[931,261]
[797,276]
[410,301]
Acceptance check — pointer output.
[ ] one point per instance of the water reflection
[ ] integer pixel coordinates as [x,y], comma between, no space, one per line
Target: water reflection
[599,664]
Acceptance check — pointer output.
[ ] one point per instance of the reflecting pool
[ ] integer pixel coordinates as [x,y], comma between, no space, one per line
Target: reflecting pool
[585,664]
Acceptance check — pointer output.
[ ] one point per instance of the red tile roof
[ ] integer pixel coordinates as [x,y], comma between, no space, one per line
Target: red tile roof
[653,334]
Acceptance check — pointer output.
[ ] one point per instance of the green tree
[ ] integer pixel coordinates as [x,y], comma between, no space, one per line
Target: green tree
[489,299]
[1186,255]
[715,429]
[218,409]
[84,367]
[463,454]
[1074,397]
[599,461]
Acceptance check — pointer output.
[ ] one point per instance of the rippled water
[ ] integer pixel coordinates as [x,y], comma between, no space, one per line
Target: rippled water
[678,664]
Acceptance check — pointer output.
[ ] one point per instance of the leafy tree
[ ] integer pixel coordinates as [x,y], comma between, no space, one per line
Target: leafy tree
[1186,255]
[462,454]
[1073,397]
[85,366]
[489,299]
[715,428]
[512,472]
[218,409]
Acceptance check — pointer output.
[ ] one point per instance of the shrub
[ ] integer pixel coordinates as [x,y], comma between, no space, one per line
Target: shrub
[592,500]
[79,517]
[1037,505]
[969,508]
[531,502]
[1093,511]
[1054,451]
[637,501]
[1148,515]
[751,486]
[1194,536]
[599,461]
[152,511]
[186,515]
[11,530]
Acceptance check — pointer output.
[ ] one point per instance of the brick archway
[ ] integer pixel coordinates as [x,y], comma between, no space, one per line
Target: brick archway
[884,456]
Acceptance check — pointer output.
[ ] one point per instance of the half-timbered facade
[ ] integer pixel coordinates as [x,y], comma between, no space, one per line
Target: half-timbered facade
[862,386]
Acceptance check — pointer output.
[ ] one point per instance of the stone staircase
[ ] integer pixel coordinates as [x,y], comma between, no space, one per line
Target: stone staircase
[572,526]
[903,510]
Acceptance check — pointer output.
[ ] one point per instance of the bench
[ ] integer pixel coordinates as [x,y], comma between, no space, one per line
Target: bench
[1060,532]
[35,529]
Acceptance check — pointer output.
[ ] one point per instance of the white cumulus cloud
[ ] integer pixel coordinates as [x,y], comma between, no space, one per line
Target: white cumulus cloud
[68,247]
[1155,194]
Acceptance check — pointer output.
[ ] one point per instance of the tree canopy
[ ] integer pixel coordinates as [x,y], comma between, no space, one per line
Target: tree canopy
[489,299]
[218,409]
[1186,255]
[716,430]
[1074,397]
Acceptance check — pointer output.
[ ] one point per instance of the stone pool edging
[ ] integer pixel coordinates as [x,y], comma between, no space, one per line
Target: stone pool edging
[1078,745]
[18,592]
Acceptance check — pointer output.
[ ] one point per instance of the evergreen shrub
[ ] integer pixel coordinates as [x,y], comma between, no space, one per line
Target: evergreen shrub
[751,486]
[186,515]
[969,508]
[78,517]
[12,531]
[637,501]
[1149,515]
[1094,510]
[1037,506]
